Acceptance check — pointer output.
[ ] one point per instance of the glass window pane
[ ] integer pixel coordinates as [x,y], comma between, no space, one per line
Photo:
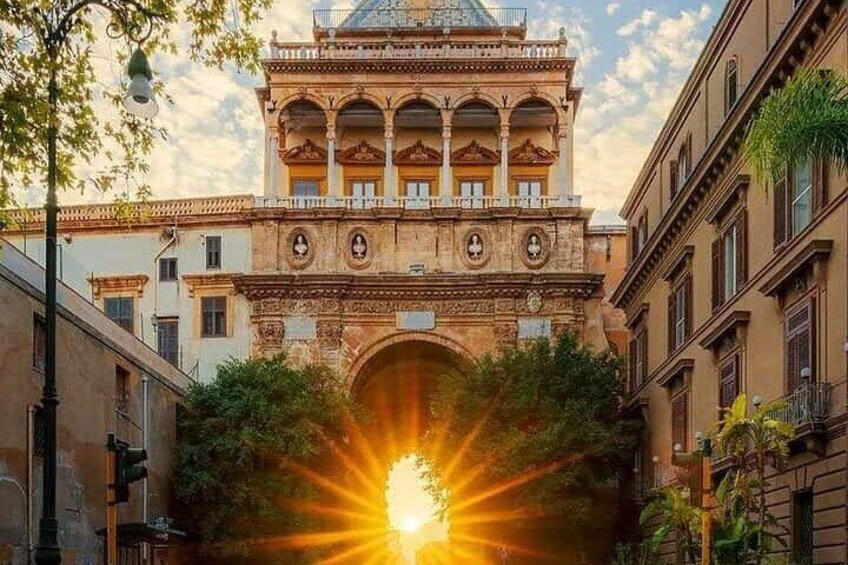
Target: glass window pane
[730,263]
[802,196]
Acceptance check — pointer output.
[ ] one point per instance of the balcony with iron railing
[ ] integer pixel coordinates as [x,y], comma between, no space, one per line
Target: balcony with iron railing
[419,203]
[807,406]
[419,18]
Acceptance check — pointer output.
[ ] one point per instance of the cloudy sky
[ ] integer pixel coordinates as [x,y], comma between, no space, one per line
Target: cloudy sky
[633,58]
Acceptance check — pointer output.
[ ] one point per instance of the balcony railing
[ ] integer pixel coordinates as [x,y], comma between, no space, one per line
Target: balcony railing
[412,18]
[808,405]
[443,50]
[418,203]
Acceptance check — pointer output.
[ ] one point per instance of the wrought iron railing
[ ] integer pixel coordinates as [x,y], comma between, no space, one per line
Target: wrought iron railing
[405,18]
[418,203]
[808,404]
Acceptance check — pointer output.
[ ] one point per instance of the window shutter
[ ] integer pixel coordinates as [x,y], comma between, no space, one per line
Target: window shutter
[811,336]
[688,155]
[679,413]
[634,243]
[780,210]
[742,249]
[820,182]
[633,350]
[689,305]
[718,273]
[674,179]
[672,317]
[644,345]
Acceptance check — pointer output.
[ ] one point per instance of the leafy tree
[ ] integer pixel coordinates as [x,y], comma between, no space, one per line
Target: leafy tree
[807,119]
[114,147]
[533,432]
[236,438]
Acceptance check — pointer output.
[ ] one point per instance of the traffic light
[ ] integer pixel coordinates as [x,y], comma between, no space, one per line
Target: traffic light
[129,467]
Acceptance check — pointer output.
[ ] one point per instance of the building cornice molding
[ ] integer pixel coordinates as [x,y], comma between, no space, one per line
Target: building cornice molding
[736,320]
[720,153]
[418,287]
[223,282]
[459,66]
[804,258]
[109,285]
[676,372]
[435,213]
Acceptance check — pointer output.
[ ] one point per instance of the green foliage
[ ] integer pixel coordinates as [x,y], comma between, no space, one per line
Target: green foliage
[237,435]
[635,554]
[104,150]
[806,119]
[547,414]
[674,515]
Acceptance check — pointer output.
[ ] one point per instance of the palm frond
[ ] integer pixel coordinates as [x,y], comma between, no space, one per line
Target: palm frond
[807,119]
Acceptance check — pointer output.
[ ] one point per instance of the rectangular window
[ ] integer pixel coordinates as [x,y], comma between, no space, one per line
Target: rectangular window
[800,343]
[732,84]
[168,269]
[730,266]
[418,195]
[730,260]
[120,311]
[39,342]
[122,388]
[472,193]
[363,193]
[680,314]
[168,340]
[639,236]
[530,193]
[729,380]
[214,316]
[680,421]
[305,193]
[213,251]
[798,197]
[802,197]
[803,514]
[639,358]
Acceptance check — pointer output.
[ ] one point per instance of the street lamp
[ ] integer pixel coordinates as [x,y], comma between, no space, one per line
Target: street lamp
[139,99]
[129,19]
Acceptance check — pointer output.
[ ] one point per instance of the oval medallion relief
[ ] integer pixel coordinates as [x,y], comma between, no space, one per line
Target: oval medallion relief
[475,248]
[535,248]
[358,249]
[300,248]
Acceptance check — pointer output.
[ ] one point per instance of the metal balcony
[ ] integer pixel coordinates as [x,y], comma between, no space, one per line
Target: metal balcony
[419,18]
[809,404]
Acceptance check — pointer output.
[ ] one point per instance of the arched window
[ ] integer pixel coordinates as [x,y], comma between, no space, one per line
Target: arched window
[731,84]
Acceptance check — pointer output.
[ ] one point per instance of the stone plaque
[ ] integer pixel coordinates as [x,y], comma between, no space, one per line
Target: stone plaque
[533,328]
[300,329]
[416,321]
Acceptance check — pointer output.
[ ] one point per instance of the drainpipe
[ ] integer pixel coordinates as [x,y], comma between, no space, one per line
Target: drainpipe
[30,467]
[145,419]
[162,251]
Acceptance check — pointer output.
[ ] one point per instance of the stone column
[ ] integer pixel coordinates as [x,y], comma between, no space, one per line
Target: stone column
[272,157]
[503,188]
[446,188]
[332,185]
[389,181]
[564,189]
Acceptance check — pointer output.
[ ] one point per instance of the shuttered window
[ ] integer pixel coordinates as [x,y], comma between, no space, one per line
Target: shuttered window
[730,261]
[680,314]
[729,373]
[213,251]
[798,197]
[120,311]
[731,85]
[638,358]
[680,420]
[214,316]
[168,340]
[800,342]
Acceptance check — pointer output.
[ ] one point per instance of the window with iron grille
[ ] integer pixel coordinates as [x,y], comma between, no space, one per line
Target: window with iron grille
[213,251]
[122,388]
[729,380]
[39,342]
[800,342]
[168,338]
[802,526]
[214,316]
[120,311]
[168,269]
[680,420]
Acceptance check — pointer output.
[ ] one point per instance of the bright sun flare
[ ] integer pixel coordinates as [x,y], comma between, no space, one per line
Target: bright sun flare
[411,525]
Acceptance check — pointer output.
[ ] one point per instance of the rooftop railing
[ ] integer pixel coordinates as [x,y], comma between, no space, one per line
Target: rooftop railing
[413,18]
[443,49]
[418,203]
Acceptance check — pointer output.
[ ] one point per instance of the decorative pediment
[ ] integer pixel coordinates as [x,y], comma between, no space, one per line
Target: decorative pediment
[306,154]
[530,154]
[118,285]
[362,154]
[419,154]
[474,154]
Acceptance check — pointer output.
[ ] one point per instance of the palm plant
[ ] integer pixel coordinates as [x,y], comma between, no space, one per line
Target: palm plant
[805,120]
[675,515]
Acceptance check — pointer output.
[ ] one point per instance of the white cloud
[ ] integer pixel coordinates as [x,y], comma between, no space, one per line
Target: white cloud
[645,19]
[612,8]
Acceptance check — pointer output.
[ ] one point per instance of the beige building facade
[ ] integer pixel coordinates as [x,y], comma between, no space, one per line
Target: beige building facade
[108,382]
[733,287]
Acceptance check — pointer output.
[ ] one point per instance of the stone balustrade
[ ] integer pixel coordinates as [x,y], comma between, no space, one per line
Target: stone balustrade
[441,50]
[418,203]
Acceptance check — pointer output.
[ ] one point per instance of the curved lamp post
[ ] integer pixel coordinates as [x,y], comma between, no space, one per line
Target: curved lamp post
[133,21]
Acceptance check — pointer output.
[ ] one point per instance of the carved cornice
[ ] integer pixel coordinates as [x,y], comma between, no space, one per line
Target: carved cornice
[730,325]
[417,287]
[362,154]
[785,56]
[474,154]
[306,154]
[134,284]
[530,154]
[223,282]
[676,372]
[806,257]
[418,154]
[419,66]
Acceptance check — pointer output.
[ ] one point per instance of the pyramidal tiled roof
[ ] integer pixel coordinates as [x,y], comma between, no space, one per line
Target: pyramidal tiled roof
[419,13]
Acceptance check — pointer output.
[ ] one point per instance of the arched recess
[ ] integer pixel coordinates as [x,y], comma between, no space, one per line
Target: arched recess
[475,140]
[533,127]
[360,136]
[303,147]
[418,128]
[394,381]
